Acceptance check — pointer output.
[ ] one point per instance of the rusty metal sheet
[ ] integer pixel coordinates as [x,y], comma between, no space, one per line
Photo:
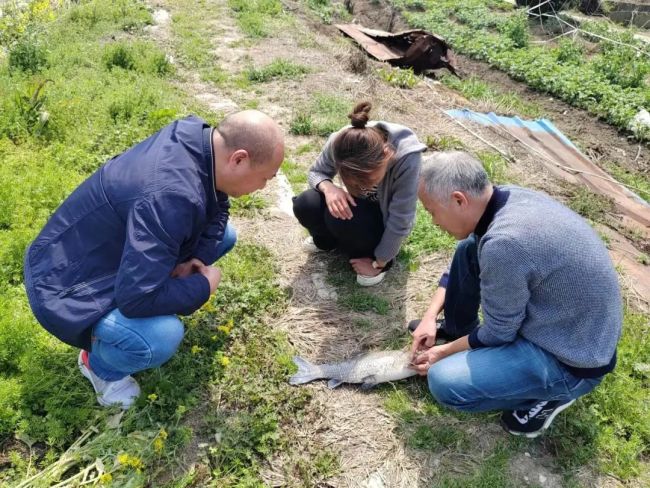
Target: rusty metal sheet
[415,48]
[373,47]
[564,160]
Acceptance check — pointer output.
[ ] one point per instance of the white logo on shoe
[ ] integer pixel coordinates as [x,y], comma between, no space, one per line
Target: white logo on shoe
[532,413]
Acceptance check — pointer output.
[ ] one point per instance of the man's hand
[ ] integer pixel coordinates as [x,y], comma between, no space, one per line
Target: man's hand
[424,337]
[363,266]
[338,200]
[187,268]
[423,360]
[213,274]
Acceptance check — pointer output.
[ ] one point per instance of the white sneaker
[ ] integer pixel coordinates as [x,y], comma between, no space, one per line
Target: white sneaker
[123,392]
[363,280]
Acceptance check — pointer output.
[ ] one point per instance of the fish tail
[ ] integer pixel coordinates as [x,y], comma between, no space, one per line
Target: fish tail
[306,372]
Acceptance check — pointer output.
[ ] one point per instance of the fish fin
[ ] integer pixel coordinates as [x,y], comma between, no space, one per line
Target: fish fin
[306,372]
[369,382]
[333,383]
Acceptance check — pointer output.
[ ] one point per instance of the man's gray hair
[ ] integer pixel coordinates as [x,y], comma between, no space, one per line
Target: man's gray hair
[446,172]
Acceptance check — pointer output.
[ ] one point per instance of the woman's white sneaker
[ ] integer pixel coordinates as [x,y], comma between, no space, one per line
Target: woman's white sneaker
[123,392]
[363,280]
[309,246]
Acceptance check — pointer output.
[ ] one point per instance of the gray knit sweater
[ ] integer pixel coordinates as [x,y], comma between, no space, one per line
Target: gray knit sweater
[546,275]
[397,192]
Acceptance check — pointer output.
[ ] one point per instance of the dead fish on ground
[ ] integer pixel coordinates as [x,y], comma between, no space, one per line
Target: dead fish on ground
[368,369]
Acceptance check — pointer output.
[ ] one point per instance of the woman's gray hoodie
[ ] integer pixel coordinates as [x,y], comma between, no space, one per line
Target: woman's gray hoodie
[397,192]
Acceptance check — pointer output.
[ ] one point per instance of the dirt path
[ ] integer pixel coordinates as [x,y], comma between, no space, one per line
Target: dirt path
[353,424]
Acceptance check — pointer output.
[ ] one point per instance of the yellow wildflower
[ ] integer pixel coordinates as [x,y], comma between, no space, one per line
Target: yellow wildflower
[106,478]
[158,445]
[196,349]
[131,461]
[153,397]
[224,361]
[159,441]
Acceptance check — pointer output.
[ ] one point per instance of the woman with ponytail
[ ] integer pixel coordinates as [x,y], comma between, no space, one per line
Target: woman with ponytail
[368,218]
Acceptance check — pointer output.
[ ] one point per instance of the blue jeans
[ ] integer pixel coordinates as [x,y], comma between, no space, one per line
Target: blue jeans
[122,346]
[512,376]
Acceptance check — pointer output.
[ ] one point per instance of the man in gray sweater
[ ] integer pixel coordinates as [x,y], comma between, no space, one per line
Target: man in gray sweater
[547,288]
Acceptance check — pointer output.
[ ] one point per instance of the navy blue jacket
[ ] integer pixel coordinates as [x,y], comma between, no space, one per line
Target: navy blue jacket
[115,240]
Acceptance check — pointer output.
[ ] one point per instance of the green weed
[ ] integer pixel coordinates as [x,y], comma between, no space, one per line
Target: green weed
[399,78]
[257,18]
[425,238]
[323,115]
[296,174]
[434,437]
[491,473]
[278,68]
[27,55]
[495,166]
[247,205]
[360,301]
[328,11]
[306,148]
[590,205]
[638,181]
[506,103]
[444,143]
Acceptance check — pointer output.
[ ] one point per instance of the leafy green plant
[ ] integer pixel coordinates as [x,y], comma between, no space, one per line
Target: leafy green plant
[27,55]
[296,174]
[516,29]
[590,205]
[495,165]
[247,205]
[278,68]
[324,114]
[119,55]
[569,52]
[400,78]
[444,143]
[256,17]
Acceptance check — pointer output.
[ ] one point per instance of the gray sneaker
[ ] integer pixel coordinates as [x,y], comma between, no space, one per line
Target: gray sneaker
[122,392]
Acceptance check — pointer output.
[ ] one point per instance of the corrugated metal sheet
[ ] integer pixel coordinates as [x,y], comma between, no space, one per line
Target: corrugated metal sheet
[564,160]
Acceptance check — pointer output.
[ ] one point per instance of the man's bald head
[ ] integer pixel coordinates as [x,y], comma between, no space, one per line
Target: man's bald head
[253,131]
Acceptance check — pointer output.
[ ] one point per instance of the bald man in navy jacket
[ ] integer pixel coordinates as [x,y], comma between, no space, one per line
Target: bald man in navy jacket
[134,245]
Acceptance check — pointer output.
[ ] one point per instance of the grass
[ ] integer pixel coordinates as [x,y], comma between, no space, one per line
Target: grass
[639,182]
[296,174]
[352,298]
[590,205]
[475,89]
[425,238]
[259,18]
[248,205]
[190,30]
[444,143]
[328,11]
[277,69]
[324,114]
